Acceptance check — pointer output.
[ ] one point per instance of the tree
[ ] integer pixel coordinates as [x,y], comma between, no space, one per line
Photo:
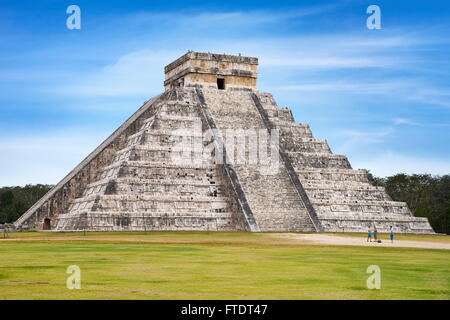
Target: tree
[14,201]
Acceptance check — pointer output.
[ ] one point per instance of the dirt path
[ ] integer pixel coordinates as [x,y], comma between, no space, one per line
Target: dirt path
[327,239]
[269,238]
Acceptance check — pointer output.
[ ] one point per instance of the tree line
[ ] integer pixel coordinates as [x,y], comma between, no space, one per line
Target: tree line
[14,201]
[426,195]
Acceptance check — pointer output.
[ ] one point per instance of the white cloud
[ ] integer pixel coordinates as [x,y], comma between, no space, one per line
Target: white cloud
[326,61]
[384,87]
[352,140]
[409,89]
[138,73]
[224,19]
[405,121]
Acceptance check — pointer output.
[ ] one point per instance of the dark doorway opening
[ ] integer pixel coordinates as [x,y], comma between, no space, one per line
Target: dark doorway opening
[47,224]
[220,83]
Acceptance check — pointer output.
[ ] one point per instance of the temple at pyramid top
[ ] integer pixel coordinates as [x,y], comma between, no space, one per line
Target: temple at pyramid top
[211,70]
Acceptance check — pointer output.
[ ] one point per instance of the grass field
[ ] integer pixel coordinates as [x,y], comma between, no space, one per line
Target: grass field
[190,265]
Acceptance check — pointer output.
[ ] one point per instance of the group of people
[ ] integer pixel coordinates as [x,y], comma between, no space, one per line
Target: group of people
[375,234]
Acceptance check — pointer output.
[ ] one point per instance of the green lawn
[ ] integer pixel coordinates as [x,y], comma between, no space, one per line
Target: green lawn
[194,265]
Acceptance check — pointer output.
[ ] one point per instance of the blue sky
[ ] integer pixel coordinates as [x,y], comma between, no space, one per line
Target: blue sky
[382,97]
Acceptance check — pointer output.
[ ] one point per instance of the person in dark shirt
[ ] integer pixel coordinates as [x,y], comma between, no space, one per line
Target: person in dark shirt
[392,235]
[369,236]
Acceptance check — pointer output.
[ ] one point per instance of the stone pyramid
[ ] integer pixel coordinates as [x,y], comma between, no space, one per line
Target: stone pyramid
[213,153]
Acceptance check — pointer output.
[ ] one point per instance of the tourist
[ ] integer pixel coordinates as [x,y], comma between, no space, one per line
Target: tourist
[369,236]
[392,235]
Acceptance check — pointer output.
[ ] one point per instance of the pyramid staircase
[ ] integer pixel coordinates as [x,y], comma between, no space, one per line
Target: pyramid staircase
[272,197]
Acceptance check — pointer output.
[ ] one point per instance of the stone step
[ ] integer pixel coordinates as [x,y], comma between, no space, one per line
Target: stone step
[293,130]
[279,206]
[148,207]
[286,225]
[146,164]
[140,214]
[323,184]
[312,145]
[378,217]
[356,222]
[140,221]
[180,110]
[171,133]
[289,124]
[160,171]
[361,202]
[175,122]
[232,123]
[156,147]
[267,99]
[188,101]
[279,114]
[177,118]
[154,187]
[306,174]
[318,160]
[359,207]
[141,197]
[170,156]
[327,185]
[201,180]
[181,152]
[337,194]
[149,203]
[153,136]
[333,170]
[261,196]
